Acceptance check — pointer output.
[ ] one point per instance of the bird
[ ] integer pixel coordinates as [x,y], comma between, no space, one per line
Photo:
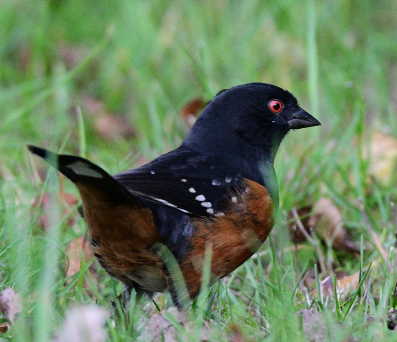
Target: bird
[150,227]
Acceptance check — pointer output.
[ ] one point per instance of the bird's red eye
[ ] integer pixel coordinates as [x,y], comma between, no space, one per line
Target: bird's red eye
[275,106]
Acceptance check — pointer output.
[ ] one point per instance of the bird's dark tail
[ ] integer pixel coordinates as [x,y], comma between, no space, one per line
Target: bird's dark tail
[82,172]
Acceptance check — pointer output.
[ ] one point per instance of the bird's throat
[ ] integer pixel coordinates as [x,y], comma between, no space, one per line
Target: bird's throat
[269,175]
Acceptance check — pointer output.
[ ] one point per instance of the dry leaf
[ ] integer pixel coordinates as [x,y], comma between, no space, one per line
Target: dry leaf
[75,250]
[327,288]
[191,110]
[83,324]
[93,106]
[328,224]
[343,287]
[326,221]
[73,55]
[383,157]
[111,126]
[24,56]
[68,203]
[237,335]
[3,328]
[346,284]
[304,215]
[107,125]
[10,304]
[309,279]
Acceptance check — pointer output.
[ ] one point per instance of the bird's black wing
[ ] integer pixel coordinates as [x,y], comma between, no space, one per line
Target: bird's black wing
[186,180]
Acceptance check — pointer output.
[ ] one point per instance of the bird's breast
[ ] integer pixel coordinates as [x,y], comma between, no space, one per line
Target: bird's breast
[232,237]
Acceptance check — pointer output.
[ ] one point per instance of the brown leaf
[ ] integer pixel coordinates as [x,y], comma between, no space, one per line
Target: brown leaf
[92,105]
[3,328]
[111,126]
[24,56]
[304,215]
[328,224]
[383,157]
[68,204]
[237,335]
[327,288]
[191,110]
[83,324]
[72,55]
[326,221]
[345,284]
[10,304]
[309,279]
[107,125]
[77,249]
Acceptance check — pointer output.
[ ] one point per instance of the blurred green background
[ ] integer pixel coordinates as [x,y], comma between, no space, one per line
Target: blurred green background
[149,57]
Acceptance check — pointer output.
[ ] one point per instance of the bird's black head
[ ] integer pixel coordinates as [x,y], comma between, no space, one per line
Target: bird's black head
[249,120]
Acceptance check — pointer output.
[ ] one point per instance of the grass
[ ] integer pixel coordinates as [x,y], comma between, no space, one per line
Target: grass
[145,60]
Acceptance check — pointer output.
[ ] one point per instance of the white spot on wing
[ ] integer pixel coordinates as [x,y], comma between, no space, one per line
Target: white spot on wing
[84,169]
[220,214]
[216,183]
[200,198]
[234,199]
[152,172]
[210,211]
[206,204]
[192,190]
[228,179]
[183,180]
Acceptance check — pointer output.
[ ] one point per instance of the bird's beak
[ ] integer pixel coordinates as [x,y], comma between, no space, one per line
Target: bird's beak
[302,119]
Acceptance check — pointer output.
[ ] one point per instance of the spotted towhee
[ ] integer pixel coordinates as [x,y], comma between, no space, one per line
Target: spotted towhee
[216,191]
